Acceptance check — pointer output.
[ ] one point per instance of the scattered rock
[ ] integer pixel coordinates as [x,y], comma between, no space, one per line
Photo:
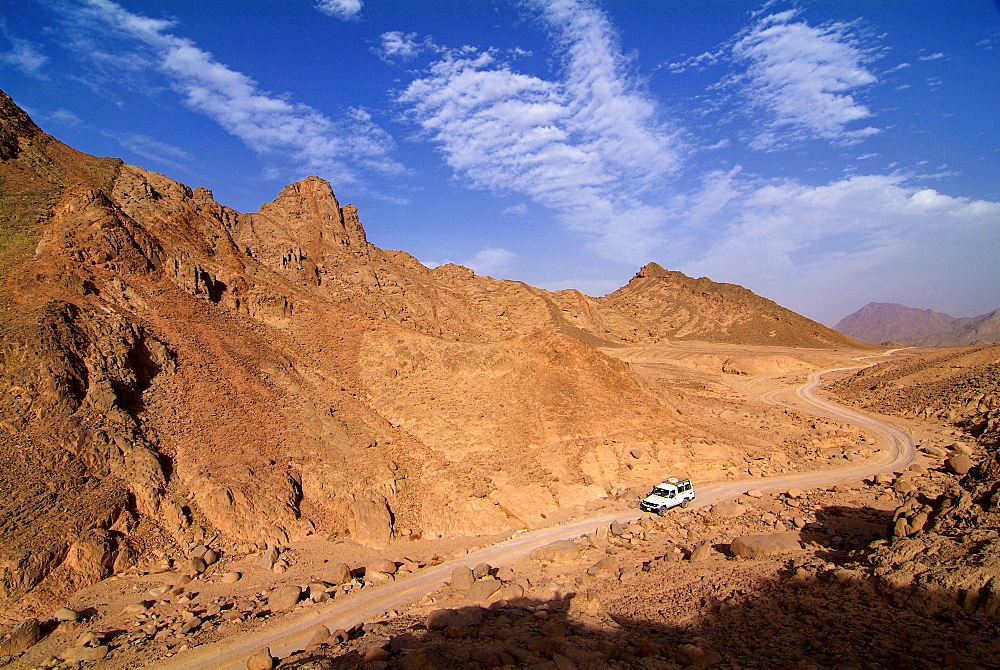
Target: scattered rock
[284,598]
[481,591]
[320,636]
[231,577]
[383,565]
[376,654]
[84,654]
[66,614]
[606,564]
[703,551]
[728,509]
[441,619]
[960,464]
[755,493]
[269,557]
[262,660]
[24,636]
[462,578]
[563,550]
[339,574]
[753,546]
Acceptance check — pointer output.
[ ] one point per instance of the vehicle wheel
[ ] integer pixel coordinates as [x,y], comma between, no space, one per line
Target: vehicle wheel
[685,503]
[659,512]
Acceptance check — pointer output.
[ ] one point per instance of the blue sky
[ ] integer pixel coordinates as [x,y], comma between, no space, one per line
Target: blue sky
[823,154]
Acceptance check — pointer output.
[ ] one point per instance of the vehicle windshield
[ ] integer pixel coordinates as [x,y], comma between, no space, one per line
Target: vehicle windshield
[663,493]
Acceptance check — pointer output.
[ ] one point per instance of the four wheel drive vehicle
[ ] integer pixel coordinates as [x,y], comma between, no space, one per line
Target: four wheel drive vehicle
[669,493]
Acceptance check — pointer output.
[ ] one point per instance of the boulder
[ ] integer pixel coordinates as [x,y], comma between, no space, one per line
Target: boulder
[462,578]
[562,550]
[728,509]
[66,614]
[284,598]
[606,564]
[23,637]
[383,565]
[703,552]
[76,655]
[753,546]
[339,574]
[441,619]
[269,557]
[755,493]
[262,660]
[320,636]
[960,464]
[933,451]
[481,591]
[231,577]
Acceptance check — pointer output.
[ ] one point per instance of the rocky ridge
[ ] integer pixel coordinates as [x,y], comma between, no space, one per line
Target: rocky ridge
[261,377]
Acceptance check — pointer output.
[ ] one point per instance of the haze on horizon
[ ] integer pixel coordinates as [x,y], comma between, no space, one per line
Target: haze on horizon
[824,156]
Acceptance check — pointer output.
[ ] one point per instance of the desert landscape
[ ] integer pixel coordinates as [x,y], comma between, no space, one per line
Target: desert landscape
[257,440]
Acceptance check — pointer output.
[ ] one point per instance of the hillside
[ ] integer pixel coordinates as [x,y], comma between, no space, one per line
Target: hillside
[177,372]
[884,322]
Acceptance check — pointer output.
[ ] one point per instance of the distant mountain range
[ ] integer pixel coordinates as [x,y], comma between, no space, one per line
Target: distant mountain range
[879,322]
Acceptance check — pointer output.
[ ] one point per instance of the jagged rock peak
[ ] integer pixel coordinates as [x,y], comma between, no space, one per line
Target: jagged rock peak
[652,270]
[16,128]
[310,206]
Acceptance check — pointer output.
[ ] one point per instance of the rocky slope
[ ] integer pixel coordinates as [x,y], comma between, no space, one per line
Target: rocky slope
[945,543]
[174,371]
[889,322]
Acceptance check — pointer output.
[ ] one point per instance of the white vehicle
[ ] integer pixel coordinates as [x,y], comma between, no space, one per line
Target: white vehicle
[669,493]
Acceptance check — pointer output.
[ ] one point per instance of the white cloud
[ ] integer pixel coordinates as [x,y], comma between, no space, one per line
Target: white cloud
[155,150]
[588,145]
[515,210]
[25,57]
[346,10]
[266,123]
[396,44]
[934,56]
[876,234]
[490,261]
[64,116]
[801,79]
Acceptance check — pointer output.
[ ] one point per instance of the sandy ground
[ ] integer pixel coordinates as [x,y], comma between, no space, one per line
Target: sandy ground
[428,565]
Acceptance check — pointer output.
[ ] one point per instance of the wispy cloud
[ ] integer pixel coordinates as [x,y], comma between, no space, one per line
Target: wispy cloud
[396,44]
[492,260]
[934,56]
[800,79]
[875,233]
[25,57]
[515,210]
[155,150]
[269,124]
[588,144]
[346,10]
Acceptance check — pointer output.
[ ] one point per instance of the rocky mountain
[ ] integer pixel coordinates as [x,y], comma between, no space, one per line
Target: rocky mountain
[879,322]
[174,370]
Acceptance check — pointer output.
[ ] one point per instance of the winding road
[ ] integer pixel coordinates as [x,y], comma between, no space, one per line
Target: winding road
[287,634]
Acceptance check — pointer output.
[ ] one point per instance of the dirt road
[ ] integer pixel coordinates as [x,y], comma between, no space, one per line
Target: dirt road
[290,633]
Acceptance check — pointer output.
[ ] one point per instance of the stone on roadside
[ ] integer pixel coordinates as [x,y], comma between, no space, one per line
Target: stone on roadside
[562,550]
[339,574]
[729,509]
[197,566]
[441,619]
[481,591]
[231,577]
[481,570]
[934,451]
[210,557]
[320,636]
[960,464]
[606,564]
[755,493]
[269,557]
[462,578]
[284,598]
[702,552]
[753,546]
[261,660]
[383,565]
[794,493]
